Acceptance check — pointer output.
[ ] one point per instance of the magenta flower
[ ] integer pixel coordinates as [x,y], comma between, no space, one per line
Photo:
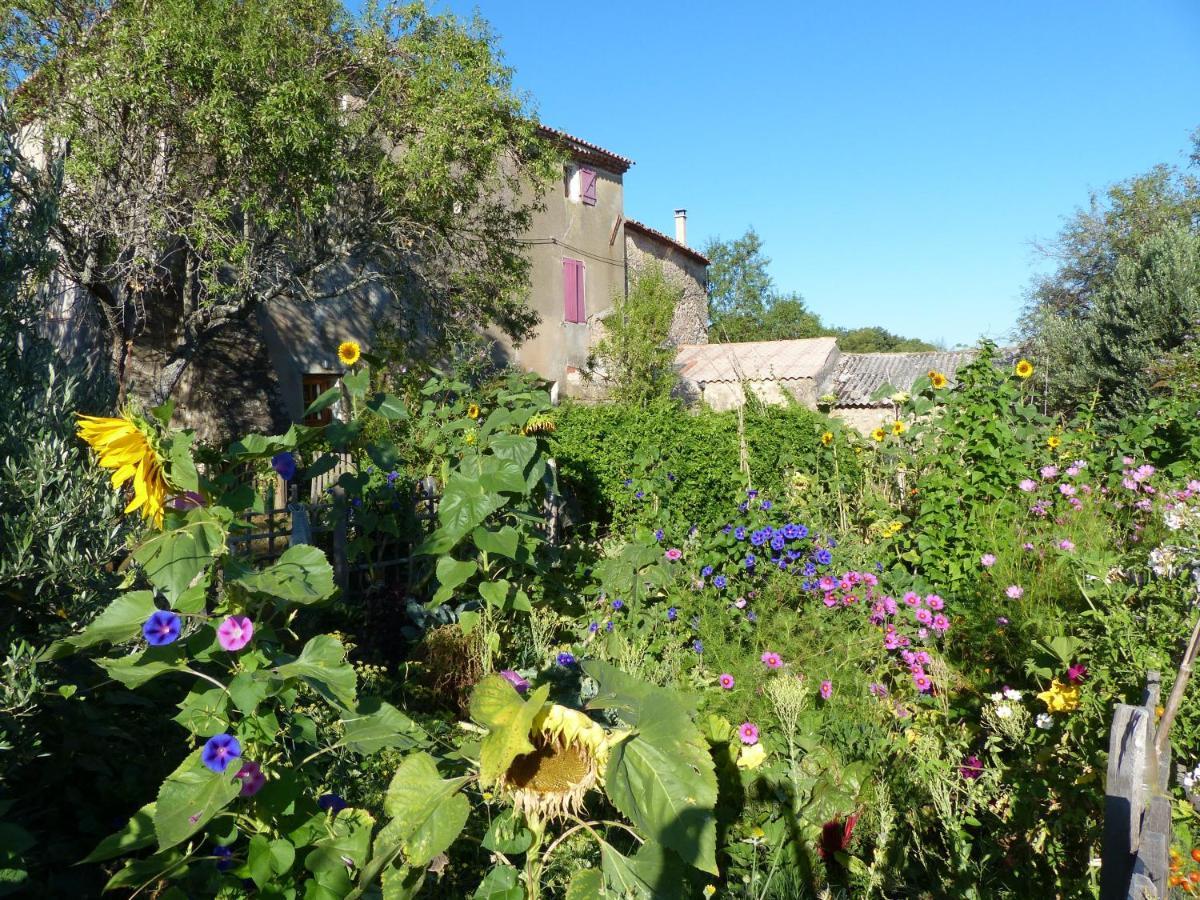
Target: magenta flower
[1048,472]
[912,599]
[674,554]
[940,623]
[1027,485]
[1014,592]
[923,682]
[1065,544]
[520,685]
[748,732]
[740,602]
[971,768]
[924,616]
[826,689]
[252,778]
[1067,490]
[1027,546]
[771,660]
[987,560]
[934,602]
[235,633]
[726,681]
[1076,673]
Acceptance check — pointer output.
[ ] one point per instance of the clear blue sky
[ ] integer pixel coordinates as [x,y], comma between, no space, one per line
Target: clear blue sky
[897,158]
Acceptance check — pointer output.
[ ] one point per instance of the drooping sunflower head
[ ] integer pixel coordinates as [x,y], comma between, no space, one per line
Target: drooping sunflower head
[129,446]
[349,352]
[539,423]
[1024,368]
[938,380]
[878,434]
[568,760]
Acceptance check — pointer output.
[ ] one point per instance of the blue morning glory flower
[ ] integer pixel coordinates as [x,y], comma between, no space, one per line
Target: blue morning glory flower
[608,626]
[566,659]
[750,560]
[751,494]
[658,534]
[618,604]
[594,627]
[672,614]
[777,542]
[706,571]
[331,803]
[758,538]
[224,857]
[698,645]
[161,628]
[766,504]
[719,582]
[823,557]
[284,464]
[740,534]
[640,494]
[219,751]
[727,529]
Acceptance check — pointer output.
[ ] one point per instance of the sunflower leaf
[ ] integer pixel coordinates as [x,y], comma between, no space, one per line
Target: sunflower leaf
[496,705]
[175,560]
[427,811]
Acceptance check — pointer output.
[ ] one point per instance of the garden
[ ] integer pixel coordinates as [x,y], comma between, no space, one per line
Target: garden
[697,655]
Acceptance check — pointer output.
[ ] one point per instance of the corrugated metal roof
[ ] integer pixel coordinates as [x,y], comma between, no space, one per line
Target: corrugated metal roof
[755,360]
[620,163]
[860,375]
[666,239]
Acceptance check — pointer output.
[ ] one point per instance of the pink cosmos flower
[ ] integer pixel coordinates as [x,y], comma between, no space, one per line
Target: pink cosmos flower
[923,683]
[235,632]
[674,554]
[771,660]
[826,689]
[1048,472]
[726,681]
[912,599]
[1027,485]
[940,623]
[987,560]
[1072,471]
[748,732]
[1067,490]
[1065,544]
[1027,546]
[1014,592]
[252,778]
[924,616]
[890,606]
[831,600]
[827,583]
[890,641]
[934,602]
[923,658]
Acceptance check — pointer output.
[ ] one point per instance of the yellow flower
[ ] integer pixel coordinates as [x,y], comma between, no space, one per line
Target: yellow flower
[827,438]
[757,833]
[1053,441]
[470,438]
[752,756]
[349,352]
[1024,368]
[126,445]
[1060,697]
[878,434]
[709,890]
[938,380]
[899,427]
[473,411]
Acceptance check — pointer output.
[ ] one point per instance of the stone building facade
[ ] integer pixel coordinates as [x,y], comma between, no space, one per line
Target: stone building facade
[682,265]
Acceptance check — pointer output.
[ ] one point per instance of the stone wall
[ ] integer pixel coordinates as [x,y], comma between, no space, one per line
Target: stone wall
[690,325]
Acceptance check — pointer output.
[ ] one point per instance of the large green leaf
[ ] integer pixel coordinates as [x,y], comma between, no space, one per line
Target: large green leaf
[501,883]
[183,472]
[588,884]
[630,698]
[191,796]
[322,664]
[357,382]
[121,621]
[515,448]
[508,718]
[652,873]
[136,669]
[301,575]
[323,402]
[376,725]
[175,560]
[452,572]
[388,406]
[429,808]
[502,475]
[464,505]
[503,541]
[494,592]
[137,833]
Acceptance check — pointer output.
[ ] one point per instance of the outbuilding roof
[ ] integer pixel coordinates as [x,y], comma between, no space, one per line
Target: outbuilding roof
[666,239]
[756,360]
[614,161]
[860,375]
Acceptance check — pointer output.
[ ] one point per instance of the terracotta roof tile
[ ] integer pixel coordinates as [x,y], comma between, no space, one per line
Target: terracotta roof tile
[618,162]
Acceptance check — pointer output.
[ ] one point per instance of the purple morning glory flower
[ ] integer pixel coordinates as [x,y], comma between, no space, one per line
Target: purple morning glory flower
[706,571]
[219,751]
[332,803]
[766,504]
[698,645]
[566,659]
[393,477]
[752,494]
[594,627]
[515,680]
[618,604]
[719,582]
[285,464]
[658,534]
[224,857]
[672,614]
[161,628]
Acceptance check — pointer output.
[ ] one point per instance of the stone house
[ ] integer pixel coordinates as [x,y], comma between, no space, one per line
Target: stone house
[683,265]
[812,372]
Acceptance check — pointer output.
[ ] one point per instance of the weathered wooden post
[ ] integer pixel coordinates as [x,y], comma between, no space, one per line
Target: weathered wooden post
[341,539]
[301,525]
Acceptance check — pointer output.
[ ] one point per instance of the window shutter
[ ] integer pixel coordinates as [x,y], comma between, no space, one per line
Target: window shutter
[588,186]
[573,290]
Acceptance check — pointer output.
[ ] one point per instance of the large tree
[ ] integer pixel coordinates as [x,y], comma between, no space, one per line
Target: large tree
[220,154]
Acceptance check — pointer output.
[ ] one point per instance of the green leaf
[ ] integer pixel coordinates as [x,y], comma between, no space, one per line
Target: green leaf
[496,705]
[283,856]
[190,796]
[508,835]
[258,860]
[503,542]
[121,621]
[388,406]
[501,883]
[429,808]
[515,448]
[247,692]
[137,833]
[651,874]
[144,871]
[183,473]
[301,575]
[202,712]
[258,445]
[502,475]
[464,505]
[136,669]
[323,402]
[587,884]
[494,592]
[452,572]
[377,725]
[175,560]
[357,382]
[322,664]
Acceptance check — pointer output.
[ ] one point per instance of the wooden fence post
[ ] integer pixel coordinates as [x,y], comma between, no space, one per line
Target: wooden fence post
[341,539]
[301,526]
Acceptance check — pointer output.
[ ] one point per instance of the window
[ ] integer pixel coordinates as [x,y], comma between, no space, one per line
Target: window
[579,184]
[314,387]
[573,290]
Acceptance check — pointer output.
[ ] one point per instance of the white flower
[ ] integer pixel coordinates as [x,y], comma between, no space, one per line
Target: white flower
[1044,721]
[1012,694]
[996,697]
[1162,561]
[1004,711]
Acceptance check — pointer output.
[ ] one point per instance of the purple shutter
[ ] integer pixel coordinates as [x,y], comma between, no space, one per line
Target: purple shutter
[573,290]
[587,179]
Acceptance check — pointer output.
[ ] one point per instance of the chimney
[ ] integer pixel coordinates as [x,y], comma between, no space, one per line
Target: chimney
[681,226]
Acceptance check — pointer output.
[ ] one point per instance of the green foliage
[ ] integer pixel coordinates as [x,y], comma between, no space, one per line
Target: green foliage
[633,357]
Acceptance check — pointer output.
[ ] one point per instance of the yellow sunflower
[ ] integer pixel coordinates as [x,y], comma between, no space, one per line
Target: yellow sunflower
[128,446]
[349,352]
[938,380]
[827,438]
[878,434]
[473,411]
[899,427]
[1053,441]
[1024,368]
